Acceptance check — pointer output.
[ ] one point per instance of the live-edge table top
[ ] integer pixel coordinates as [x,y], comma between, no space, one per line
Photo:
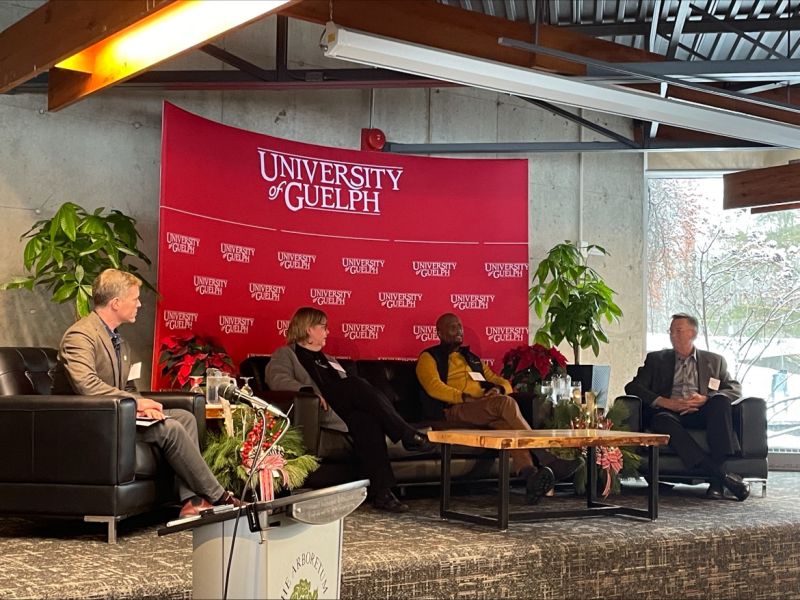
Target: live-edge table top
[501,439]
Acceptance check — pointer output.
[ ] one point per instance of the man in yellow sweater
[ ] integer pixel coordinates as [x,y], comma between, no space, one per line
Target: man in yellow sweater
[459,387]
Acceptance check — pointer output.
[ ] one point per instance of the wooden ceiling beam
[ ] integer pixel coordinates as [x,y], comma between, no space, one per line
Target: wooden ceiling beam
[768,188]
[58,30]
[454,29]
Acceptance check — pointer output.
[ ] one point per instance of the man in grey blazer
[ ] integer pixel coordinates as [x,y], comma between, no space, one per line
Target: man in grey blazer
[687,388]
[96,361]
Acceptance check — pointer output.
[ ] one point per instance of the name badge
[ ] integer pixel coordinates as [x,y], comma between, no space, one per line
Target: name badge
[476,376]
[337,366]
[135,372]
[713,384]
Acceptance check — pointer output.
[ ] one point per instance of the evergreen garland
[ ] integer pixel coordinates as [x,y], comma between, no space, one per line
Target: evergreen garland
[567,412]
[223,454]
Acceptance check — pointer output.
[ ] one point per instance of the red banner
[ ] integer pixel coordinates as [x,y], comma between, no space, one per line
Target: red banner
[253,227]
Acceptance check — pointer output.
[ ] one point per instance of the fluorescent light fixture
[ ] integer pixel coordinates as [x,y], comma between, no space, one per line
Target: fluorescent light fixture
[424,61]
[164,34]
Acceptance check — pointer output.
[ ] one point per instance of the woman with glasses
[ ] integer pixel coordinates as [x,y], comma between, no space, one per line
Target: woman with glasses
[367,412]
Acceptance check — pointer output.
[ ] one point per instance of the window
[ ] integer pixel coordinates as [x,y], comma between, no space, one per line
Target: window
[739,274]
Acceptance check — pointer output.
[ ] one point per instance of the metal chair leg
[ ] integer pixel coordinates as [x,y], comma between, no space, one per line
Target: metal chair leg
[111,522]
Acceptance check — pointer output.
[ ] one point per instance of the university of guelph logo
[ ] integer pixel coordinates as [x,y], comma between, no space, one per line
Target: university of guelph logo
[506,334]
[304,182]
[435,268]
[178,319]
[236,253]
[471,301]
[362,331]
[283,326]
[233,324]
[362,266]
[425,333]
[295,260]
[399,299]
[505,270]
[209,286]
[266,292]
[324,297]
[182,244]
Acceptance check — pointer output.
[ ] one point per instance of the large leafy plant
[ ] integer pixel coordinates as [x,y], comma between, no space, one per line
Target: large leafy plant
[65,253]
[572,299]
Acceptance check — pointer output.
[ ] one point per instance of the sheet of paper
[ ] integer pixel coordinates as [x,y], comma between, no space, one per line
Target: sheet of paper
[135,372]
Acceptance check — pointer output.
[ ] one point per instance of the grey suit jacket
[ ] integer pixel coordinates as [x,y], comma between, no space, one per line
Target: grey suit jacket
[655,377]
[284,372]
[89,360]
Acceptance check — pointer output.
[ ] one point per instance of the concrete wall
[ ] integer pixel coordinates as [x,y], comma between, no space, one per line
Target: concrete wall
[105,151]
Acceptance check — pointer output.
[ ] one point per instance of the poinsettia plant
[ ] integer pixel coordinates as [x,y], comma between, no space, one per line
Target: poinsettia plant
[526,366]
[186,356]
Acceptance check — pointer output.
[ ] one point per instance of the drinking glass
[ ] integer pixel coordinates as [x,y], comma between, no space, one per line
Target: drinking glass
[576,392]
[246,385]
[196,382]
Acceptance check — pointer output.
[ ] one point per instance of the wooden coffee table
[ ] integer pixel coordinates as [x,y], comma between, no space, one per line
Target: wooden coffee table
[506,440]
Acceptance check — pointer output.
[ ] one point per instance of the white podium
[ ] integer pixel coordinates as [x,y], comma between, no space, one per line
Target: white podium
[287,548]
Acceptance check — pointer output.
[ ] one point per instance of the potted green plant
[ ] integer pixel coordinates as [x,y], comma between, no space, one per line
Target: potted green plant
[66,252]
[572,299]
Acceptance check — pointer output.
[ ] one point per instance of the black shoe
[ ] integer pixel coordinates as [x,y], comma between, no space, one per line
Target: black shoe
[418,442]
[538,484]
[563,468]
[388,501]
[715,490]
[737,486]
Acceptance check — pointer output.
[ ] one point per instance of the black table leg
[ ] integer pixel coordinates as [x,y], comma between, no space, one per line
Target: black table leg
[591,476]
[503,492]
[444,498]
[652,499]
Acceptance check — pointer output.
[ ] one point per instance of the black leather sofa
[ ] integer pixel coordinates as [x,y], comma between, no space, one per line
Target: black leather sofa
[326,437]
[77,456]
[750,424]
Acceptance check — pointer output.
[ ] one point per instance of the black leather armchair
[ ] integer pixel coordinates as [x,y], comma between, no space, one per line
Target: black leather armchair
[750,425]
[77,456]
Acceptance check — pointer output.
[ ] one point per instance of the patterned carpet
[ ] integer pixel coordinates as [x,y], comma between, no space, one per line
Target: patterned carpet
[696,549]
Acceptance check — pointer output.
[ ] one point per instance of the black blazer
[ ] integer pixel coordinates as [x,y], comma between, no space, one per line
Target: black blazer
[655,377]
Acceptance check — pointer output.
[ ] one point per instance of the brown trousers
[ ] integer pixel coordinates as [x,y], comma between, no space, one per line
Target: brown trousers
[496,412]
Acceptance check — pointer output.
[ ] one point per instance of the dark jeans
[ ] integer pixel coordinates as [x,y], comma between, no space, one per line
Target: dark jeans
[370,417]
[715,416]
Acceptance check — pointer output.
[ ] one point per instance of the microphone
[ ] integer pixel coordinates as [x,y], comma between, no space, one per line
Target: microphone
[230,392]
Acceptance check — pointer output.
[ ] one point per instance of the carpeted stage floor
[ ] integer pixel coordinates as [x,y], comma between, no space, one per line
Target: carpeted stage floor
[696,549]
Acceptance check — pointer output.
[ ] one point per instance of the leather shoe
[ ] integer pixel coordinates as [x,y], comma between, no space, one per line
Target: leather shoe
[563,468]
[418,442]
[715,491]
[538,484]
[388,501]
[737,486]
[193,507]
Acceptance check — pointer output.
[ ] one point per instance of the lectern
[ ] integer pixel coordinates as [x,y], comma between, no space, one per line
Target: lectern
[286,548]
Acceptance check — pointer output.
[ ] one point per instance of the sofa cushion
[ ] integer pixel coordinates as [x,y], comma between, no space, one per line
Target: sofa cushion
[26,370]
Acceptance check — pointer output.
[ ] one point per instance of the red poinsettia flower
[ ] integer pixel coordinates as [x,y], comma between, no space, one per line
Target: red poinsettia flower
[185,355]
[527,366]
